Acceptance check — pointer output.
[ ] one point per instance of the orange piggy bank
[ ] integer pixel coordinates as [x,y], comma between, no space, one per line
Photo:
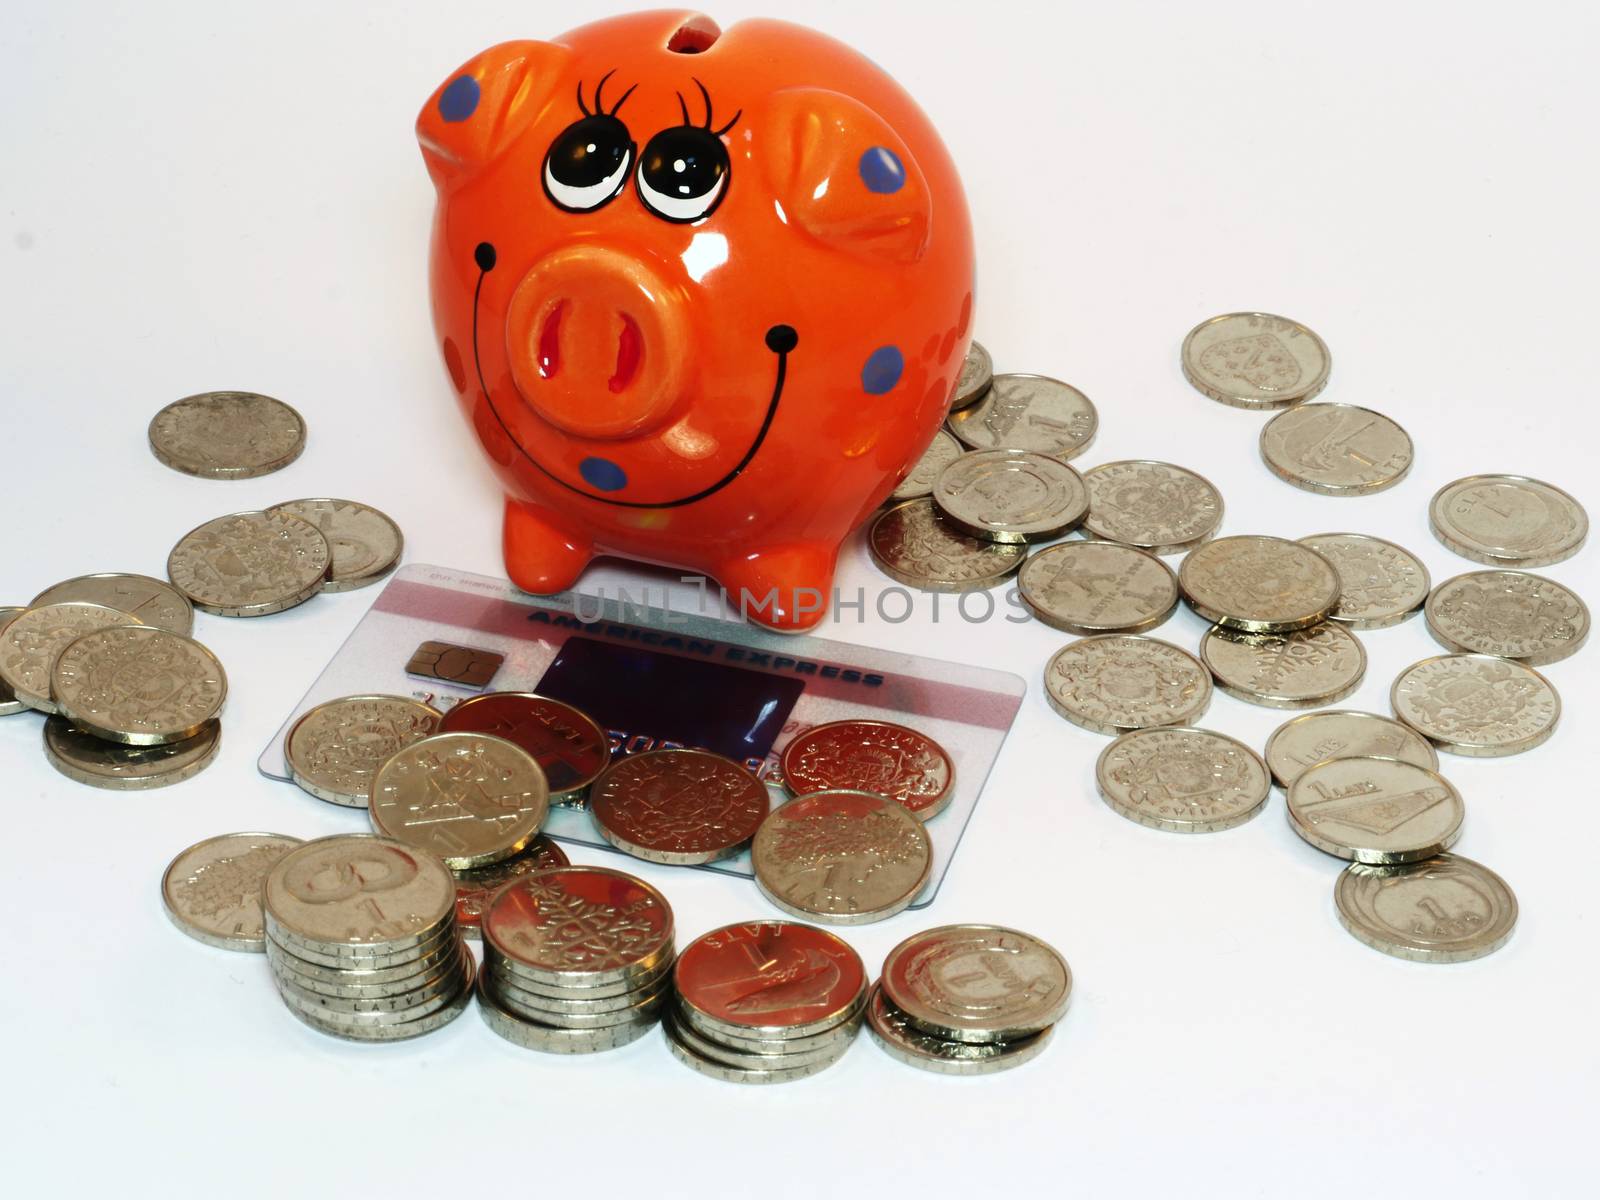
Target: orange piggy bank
[703,295]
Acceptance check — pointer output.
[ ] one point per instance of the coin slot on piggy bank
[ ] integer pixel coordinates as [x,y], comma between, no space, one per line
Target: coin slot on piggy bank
[703,296]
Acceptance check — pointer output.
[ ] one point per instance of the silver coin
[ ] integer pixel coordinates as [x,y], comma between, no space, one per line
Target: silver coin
[31,641]
[358,982]
[1508,520]
[212,890]
[1154,506]
[1509,614]
[366,543]
[1012,496]
[1336,449]
[841,857]
[1304,669]
[1117,683]
[777,982]
[9,704]
[1447,909]
[335,749]
[250,564]
[1375,810]
[1097,587]
[977,983]
[941,452]
[85,758]
[648,1008]
[1379,583]
[729,1073]
[912,545]
[977,373]
[1476,705]
[152,601]
[227,435]
[551,1039]
[138,686]
[1183,780]
[1029,412]
[413,957]
[509,971]
[401,1030]
[1255,360]
[423,993]
[358,896]
[1259,584]
[903,1041]
[1305,741]
[735,1056]
[843,1029]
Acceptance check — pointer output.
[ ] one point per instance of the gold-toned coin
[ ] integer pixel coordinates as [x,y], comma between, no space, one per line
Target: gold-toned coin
[30,642]
[334,749]
[977,373]
[1153,506]
[227,435]
[977,983]
[366,543]
[212,891]
[913,546]
[941,452]
[1508,520]
[1116,683]
[1446,909]
[470,798]
[1379,583]
[1255,360]
[250,564]
[1375,810]
[1029,412]
[153,601]
[1509,614]
[1098,587]
[1259,584]
[1183,780]
[1476,705]
[357,899]
[1304,669]
[85,758]
[1342,733]
[1336,449]
[1011,496]
[138,686]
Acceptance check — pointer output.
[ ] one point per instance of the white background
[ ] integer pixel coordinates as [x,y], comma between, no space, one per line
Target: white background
[208,196]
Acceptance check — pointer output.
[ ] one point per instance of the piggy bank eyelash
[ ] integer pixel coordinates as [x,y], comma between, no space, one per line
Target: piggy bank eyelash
[683,171]
[588,163]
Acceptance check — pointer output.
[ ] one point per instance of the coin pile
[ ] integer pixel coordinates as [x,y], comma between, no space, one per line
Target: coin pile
[1283,619]
[576,960]
[968,999]
[765,1002]
[361,936]
[133,701]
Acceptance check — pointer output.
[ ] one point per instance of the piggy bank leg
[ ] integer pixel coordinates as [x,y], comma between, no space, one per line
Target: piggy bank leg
[786,588]
[542,556]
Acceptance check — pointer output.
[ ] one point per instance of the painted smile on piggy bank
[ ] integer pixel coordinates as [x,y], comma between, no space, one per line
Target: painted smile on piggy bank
[703,296]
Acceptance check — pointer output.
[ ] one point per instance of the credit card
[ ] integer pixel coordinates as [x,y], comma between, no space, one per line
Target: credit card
[654,679]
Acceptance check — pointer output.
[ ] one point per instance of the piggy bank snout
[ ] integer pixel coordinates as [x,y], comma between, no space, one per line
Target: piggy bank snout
[595,340]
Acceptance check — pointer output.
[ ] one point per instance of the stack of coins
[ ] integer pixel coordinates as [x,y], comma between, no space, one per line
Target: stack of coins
[362,939]
[765,1002]
[576,960]
[133,700]
[969,999]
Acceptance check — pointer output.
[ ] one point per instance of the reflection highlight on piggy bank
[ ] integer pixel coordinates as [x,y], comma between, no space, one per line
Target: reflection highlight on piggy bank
[703,295]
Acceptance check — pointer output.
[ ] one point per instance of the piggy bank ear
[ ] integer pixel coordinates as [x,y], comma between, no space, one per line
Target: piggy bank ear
[843,176]
[477,112]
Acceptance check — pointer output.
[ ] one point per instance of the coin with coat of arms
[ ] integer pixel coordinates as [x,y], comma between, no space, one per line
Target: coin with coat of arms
[1509,614]
[1259,584]
[1477,705]
[871,756]
[1116,683]
[1380,584]
[1184,780]
[1152,506]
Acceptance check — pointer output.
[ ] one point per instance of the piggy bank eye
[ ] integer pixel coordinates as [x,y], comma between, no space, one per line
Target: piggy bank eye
[683,173]
[588,163]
